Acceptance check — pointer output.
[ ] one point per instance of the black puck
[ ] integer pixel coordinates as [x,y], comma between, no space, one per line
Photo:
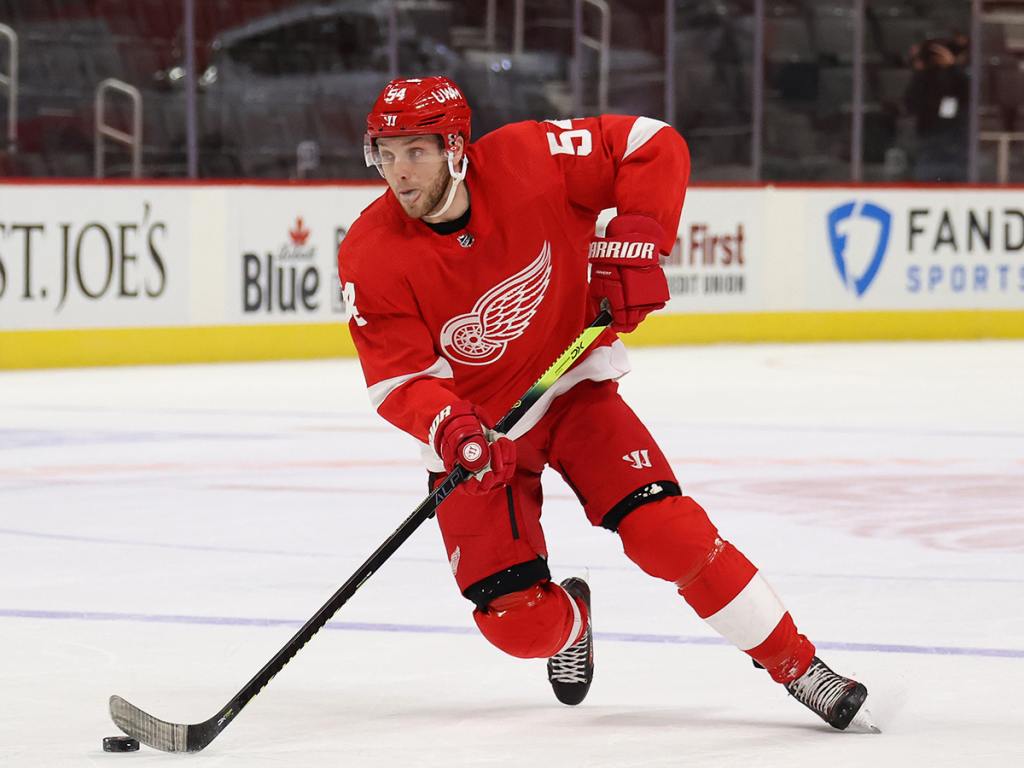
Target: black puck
[120,744]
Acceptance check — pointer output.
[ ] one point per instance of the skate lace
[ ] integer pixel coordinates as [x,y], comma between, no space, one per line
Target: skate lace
[819,688]
[570,666]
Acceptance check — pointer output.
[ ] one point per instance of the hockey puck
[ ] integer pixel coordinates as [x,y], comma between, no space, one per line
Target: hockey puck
[120,744]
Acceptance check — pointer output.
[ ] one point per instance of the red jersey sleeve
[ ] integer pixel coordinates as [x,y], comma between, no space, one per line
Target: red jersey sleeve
[407,379]
[635,164]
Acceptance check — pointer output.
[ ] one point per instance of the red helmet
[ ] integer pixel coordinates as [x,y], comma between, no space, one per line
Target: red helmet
[420,105]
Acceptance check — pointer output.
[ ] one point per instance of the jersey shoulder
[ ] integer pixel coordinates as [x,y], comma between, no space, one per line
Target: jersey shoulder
[516,142]
[376,258]
[371,234]
[517,151]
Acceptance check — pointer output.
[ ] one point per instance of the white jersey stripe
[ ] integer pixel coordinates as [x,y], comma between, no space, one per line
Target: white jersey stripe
[441,369]
[641,132]
[603,364]
[749,617]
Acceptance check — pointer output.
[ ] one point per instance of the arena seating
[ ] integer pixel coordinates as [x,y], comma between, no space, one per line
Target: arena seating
[288,81]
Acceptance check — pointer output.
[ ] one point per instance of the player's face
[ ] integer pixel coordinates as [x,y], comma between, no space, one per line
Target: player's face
[416,169]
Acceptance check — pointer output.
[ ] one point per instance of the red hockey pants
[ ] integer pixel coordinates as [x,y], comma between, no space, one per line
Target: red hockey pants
[498,555]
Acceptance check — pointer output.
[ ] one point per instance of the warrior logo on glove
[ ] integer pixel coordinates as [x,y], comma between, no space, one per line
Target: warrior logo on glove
[605,249]
[624,269]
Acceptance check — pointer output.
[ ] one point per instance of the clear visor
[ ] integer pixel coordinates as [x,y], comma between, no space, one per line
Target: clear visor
[417,151]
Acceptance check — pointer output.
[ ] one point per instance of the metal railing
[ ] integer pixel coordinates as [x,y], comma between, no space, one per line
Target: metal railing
[518,25]
[133,140]
[1003,139]
[307,158]
[10,83]
[591,27]
[601,44]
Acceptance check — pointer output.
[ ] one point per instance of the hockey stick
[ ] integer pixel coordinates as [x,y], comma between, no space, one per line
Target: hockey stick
[172,737]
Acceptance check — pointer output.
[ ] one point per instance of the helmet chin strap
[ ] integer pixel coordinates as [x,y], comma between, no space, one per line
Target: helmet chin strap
[457,177]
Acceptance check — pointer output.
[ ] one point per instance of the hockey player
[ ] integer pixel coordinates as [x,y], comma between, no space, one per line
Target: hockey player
[466,278]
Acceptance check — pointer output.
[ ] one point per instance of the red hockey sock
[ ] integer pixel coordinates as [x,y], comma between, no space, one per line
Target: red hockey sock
[785,653]
[534,623]
[674,540]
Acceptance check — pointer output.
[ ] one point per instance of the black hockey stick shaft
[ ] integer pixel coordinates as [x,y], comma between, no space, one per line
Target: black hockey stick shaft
[171,737]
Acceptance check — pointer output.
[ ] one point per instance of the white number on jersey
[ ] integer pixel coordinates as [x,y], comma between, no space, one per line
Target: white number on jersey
[348,296]
[563,144]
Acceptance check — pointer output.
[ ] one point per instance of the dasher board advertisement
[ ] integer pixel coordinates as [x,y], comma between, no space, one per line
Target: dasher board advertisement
[282,264]
[88,257]
[920,249]
[718,262]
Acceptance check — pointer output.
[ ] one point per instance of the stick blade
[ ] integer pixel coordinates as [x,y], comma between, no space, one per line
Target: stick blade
[151,731]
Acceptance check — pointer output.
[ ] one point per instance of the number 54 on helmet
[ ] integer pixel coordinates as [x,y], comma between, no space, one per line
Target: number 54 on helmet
[410,106]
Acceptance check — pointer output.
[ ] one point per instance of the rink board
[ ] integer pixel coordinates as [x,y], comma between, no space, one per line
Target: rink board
[150,346]
[96,274]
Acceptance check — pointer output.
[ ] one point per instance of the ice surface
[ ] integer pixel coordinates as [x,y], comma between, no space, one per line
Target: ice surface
[163,531]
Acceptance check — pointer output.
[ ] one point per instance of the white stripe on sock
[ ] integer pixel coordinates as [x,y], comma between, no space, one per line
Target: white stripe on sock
[577,621]
[749,617]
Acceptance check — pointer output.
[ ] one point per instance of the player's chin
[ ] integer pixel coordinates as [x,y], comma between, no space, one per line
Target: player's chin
[419,208]
[414,209]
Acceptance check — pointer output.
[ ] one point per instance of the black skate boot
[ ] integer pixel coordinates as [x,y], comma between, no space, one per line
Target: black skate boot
[834,698]
[571,671]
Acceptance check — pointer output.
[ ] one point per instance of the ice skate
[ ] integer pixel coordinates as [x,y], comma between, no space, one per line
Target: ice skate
[571,671]
[837,700]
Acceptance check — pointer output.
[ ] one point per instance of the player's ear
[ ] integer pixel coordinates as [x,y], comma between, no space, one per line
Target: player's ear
[459,151]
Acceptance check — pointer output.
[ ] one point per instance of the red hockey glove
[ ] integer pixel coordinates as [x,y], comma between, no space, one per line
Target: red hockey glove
[458,436]
[625,269]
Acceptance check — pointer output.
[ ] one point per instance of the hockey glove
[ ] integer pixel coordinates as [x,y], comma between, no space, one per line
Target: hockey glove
[459,436]
[624,268]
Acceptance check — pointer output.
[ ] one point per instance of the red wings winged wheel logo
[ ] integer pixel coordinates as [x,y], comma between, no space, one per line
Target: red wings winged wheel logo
[480,336]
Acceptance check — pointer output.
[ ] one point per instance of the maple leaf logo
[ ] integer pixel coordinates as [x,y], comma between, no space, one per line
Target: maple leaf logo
[299,234]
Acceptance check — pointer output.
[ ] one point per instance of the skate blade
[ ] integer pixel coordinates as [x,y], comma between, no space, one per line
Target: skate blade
[863,722]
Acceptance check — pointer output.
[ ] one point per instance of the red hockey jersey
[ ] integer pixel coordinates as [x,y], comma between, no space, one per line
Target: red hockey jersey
[479,314]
